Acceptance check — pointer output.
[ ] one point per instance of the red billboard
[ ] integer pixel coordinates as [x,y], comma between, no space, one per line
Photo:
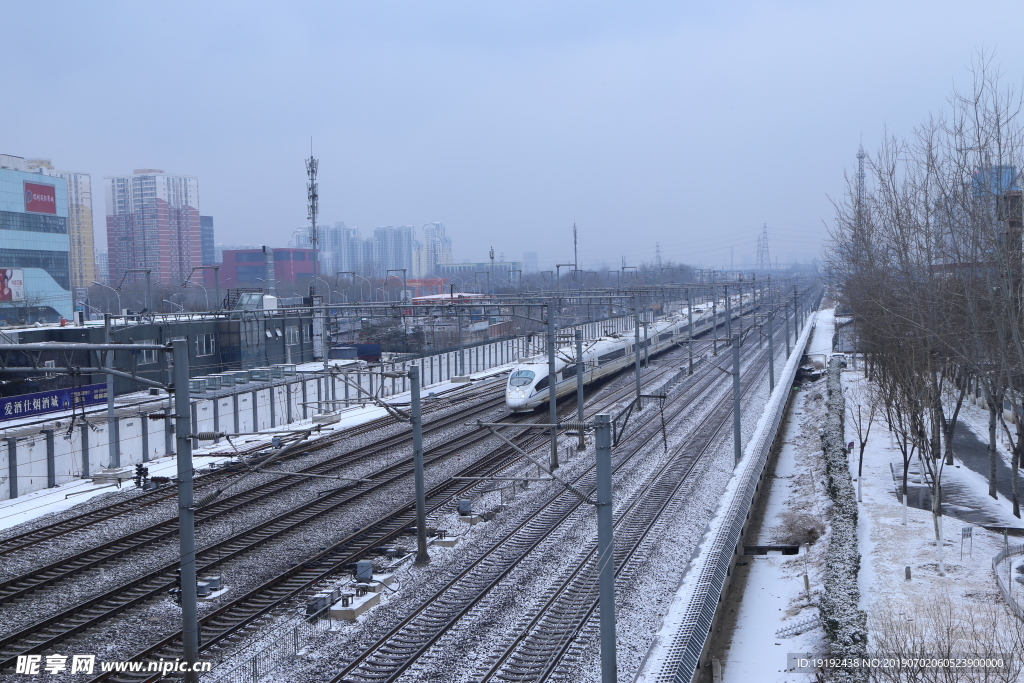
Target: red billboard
[40,198]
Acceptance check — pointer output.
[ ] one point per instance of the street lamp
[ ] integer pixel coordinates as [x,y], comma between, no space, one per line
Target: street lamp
[205,293]
[216,282]
[112,290]
[181,309]
[149,287]
[271,284]
[404,284]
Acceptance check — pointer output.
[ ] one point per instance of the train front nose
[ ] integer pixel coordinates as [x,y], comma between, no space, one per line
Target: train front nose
[516,398]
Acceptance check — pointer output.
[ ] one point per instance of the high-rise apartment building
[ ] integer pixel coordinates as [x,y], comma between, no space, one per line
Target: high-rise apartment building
[395,248]
[342,249]
[209,251]
[35,272]
[80,221]
[153,224]
[102,266]
[437,247]
[530,262]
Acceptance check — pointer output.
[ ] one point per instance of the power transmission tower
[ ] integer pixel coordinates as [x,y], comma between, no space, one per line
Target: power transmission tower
[575,250]
[313,208]
[657,254]
[860,188]
[764,261]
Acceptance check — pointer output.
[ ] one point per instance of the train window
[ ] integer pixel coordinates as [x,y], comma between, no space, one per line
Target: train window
[569,371]
[521,378]
[542,384]
[611,356]
[664,336]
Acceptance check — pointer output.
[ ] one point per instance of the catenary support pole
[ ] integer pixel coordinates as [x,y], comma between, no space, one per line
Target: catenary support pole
[796,314]
[462,351]
[785,313]
[113,442]
[714,322]
[737,446]
[186,517]
[771,350]
[605,549]
[552,388]
[728,313]
[417,458]
[582,444]
[689,314]
[636,347]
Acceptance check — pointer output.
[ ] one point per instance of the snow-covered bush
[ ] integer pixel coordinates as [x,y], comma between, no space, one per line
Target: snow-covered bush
[845,623]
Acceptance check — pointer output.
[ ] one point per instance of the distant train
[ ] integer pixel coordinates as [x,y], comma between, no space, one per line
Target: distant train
[527,387]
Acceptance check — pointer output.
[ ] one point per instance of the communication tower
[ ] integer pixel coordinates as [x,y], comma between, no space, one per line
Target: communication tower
[313,208]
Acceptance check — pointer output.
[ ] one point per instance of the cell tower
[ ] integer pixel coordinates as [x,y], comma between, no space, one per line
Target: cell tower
[313,208]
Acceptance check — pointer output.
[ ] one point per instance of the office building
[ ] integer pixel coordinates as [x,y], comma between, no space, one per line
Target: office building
[267,268]
[153,224]
[209,252]
[80,220]
[35,270]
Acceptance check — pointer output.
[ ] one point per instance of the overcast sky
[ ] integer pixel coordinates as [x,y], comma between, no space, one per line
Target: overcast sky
[689,124]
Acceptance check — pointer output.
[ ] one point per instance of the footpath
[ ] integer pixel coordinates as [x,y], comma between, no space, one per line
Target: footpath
[772,611]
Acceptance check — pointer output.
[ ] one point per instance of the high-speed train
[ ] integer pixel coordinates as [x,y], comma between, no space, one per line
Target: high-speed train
[527,387]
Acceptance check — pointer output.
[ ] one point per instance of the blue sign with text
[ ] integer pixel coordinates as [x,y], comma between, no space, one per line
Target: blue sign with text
[28,405]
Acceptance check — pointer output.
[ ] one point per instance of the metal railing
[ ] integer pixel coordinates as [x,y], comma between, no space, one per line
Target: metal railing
[1006,587]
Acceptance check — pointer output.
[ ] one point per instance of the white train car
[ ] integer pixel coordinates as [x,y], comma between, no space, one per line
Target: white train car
[527,387]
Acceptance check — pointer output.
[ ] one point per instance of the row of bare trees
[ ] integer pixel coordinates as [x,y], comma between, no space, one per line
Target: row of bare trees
[927,258]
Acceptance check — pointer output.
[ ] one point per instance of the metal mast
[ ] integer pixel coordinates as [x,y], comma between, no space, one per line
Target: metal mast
[764,261]
[860,188]
[313,208]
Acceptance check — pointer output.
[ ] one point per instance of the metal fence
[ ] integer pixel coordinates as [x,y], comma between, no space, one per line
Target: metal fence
[259,660]
[1006,587]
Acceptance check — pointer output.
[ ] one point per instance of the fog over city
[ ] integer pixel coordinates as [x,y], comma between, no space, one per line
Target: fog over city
[684,124]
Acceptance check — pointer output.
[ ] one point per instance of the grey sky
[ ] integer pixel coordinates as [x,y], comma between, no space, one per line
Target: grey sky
[684,123]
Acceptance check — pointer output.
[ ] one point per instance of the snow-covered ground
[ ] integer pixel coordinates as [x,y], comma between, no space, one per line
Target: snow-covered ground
[773,595]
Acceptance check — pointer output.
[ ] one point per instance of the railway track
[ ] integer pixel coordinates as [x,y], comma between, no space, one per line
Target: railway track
[90,613]
[40,577]
[391,655]
[58,627]
[145,500]
[216,626]
[232,618]
[569,604]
